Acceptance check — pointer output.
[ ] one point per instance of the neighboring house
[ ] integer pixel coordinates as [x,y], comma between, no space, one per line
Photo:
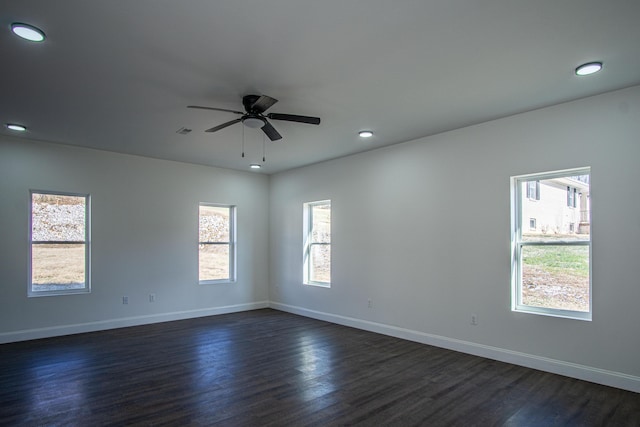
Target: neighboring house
[556,206]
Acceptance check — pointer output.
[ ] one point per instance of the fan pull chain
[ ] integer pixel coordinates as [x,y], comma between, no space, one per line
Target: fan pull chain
[264,149]
[243,142]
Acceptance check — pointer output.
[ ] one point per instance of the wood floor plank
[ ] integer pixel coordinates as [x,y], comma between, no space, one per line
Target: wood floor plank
[266,367]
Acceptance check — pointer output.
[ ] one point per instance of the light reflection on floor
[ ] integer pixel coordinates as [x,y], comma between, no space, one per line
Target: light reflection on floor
[56,384]
[316,364]
[214,354]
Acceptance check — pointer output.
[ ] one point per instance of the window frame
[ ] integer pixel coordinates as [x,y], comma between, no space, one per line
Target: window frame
[308,244]
[232,243]
[517,244]
[87,246]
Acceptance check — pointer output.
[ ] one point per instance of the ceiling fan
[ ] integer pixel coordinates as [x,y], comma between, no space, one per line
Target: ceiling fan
[253,117]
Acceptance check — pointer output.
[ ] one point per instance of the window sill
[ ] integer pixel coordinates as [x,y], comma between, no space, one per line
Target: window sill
[318,284]
[215,282]
[56,293]
[550,312]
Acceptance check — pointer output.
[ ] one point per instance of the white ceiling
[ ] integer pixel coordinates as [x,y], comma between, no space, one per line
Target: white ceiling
[118,74]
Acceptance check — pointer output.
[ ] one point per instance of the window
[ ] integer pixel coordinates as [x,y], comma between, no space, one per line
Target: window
[572,197]
[317,243]
[217,244]
[59,243]
[533,190]
[551,263]
[532,223]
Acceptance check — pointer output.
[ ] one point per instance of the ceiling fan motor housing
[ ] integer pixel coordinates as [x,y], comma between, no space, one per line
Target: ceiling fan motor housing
[248,101]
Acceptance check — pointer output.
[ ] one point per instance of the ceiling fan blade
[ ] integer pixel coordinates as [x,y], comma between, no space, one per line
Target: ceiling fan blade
[271,132]
[214,109]
[262,104]
[294,118]
[224,125]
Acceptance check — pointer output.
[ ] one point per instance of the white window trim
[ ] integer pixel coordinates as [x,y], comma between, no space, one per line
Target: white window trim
[232,245]
[517,244]
[307,222]
[87,248]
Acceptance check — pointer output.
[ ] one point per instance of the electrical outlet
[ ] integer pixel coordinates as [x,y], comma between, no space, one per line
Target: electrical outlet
[370,304]
[152,297]
[474,319]
[125,300]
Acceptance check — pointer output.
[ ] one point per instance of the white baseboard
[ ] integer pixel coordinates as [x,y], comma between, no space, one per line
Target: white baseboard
[54,331]
[573,370]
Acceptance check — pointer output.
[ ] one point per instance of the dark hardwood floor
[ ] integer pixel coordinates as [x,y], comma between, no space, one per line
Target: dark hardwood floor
[267,367]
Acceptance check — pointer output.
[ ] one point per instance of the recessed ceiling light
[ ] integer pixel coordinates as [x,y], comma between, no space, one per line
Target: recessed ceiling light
[365,134]
[27,32]
[17,128]
[255,166]
[589,68]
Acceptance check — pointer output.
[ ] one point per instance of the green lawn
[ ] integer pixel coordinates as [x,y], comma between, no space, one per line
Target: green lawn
[572,260]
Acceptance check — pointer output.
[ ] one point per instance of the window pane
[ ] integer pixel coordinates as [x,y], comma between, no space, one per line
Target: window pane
[317,243]
[214,262]
[57,267]
[321,232]
[57,218]
[214,223]
[55,264]
[532,189]
[216,245]
[556,277]
[558,207]
[320,263]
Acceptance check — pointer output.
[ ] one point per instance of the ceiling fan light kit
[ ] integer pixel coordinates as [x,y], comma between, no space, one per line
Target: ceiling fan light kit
[253,122]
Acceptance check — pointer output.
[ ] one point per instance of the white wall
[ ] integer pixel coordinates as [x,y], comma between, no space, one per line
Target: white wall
[422,229]
[144,238]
